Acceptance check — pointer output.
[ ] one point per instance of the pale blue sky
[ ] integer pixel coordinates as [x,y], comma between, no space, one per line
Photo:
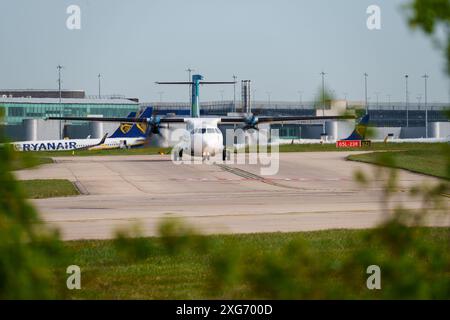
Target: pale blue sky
[282,46]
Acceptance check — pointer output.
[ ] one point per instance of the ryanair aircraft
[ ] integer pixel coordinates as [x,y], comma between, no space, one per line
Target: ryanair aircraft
[128,135]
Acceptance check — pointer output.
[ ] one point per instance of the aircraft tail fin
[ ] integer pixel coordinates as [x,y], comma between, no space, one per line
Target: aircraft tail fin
[360,129]
[146,113]
[133,130]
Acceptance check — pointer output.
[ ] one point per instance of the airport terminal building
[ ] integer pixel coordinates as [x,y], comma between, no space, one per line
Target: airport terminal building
[18,109]
[24,111]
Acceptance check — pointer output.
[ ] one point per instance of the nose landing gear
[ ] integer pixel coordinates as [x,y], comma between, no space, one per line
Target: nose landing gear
[178,156]
[226,154]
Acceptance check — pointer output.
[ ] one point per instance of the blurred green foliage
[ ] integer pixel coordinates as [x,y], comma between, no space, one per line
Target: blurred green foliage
[323,98]
[432,16]
[28,251]
[130,246]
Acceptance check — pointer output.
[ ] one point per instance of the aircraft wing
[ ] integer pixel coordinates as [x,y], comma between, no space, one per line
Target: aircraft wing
[217,82]
[123,120]
[174,82]
[201,82]
[102,141]
[278,119]
[249,120]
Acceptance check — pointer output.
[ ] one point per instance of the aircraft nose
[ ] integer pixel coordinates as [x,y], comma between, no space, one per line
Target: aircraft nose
[206,142]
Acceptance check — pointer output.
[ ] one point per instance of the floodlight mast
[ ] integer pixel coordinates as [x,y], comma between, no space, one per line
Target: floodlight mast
[195,84]
[61,128]
[189,71]
[425,77]
[99,85]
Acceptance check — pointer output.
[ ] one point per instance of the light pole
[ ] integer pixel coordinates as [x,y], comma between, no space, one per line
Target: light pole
[59,67]
[377,94]
[419,99]
[160,95]
[323,93]
[189,71]
[425,77]
[221,96]
[268,97]
[389,99]
[234,93]
[99,86]
[365,92]
[300,98]
[407,100]
[323,99]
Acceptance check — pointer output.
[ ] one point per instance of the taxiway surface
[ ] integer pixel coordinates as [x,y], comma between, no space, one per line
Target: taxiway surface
[311,191]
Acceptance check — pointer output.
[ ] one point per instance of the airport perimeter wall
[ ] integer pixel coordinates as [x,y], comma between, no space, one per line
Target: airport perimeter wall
[382,132]
[440,130]
[412,132]
[311,131]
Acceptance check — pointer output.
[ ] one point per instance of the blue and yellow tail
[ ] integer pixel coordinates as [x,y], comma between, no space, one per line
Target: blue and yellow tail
[360,129]
[134,130]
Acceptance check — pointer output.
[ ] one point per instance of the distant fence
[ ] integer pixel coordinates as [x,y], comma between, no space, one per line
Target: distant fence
[106,96]
[275,105]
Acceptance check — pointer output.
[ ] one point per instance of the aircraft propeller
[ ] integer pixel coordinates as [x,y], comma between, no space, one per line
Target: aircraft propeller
[251,122]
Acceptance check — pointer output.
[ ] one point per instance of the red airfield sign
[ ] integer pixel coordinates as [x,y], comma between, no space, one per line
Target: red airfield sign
[352,143]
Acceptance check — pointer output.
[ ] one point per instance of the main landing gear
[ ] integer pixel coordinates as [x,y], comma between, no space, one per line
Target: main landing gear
[226,154]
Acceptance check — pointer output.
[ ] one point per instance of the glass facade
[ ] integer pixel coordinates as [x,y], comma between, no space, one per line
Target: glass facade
[15,112]
[288,131]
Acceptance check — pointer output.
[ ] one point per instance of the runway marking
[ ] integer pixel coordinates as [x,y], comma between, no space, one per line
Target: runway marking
[250,179]
[251,176]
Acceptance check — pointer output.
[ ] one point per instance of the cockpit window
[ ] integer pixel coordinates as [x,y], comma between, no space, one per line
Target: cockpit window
[200,130]
[205,130]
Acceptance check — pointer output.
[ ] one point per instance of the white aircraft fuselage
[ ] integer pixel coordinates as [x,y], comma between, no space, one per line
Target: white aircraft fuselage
[204,140]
